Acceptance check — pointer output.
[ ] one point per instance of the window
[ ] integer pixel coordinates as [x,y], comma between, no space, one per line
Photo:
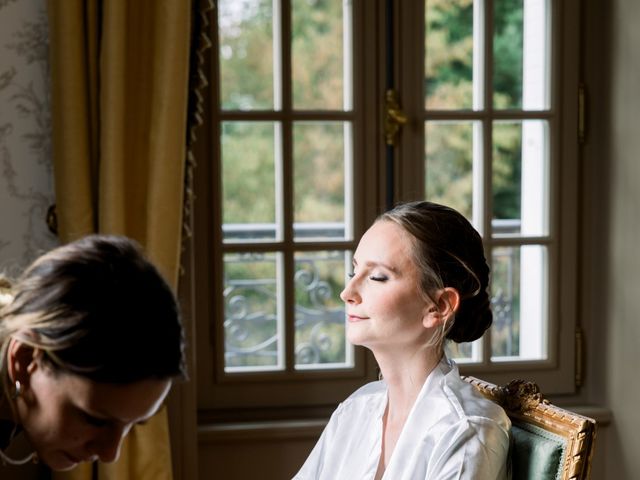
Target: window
[494,135]
[295,169]
[287,123]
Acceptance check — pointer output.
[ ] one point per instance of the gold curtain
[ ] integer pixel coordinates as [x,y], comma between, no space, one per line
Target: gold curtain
[120,75]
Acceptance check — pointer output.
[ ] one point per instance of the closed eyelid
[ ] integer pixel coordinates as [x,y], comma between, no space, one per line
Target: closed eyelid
[95,421]
[375,269]
[378,277]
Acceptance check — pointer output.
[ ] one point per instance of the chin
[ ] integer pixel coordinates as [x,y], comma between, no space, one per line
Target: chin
[58,461]
[63,468]
[357,340]
[352,338]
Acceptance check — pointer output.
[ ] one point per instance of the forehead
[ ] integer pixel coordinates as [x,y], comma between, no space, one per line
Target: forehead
[385,242]
[126,403]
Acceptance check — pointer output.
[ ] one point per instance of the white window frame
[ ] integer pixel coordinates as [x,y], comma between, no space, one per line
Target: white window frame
[557,373]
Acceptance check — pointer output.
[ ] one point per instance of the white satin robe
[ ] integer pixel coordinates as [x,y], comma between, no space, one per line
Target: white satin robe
[452,432]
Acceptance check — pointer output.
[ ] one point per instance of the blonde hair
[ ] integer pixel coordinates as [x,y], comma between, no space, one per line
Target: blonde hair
[5,291]
[6,297]
[96,308]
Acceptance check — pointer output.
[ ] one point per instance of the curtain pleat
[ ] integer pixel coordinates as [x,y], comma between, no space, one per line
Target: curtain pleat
[73,55]
[120,76]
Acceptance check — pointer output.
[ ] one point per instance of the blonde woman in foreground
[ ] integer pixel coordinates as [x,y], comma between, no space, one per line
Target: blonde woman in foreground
[90,342]
[419,278]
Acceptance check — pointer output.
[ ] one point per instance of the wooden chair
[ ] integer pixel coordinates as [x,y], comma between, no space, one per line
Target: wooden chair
[549,442]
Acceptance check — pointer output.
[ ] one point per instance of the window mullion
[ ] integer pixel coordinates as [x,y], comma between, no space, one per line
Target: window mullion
[487,148]
[287,204]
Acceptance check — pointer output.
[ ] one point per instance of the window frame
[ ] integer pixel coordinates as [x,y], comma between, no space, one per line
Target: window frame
[557,373]
[269,395]
[243,394]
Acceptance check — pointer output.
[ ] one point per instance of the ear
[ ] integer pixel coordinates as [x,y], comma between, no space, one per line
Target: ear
[22,361]
[446,304]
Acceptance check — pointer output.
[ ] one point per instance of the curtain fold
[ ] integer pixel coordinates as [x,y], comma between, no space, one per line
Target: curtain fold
[120,76]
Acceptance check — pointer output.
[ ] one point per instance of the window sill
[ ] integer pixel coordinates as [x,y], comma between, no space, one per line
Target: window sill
[279,429]
[312,428]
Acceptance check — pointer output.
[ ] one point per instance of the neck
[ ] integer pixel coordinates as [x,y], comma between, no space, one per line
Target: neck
[7,408]
[7,423]
[9,429]
[405,374]
[6,413]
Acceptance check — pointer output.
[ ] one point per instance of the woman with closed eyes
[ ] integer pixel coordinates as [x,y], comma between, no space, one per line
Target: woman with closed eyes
[90,342]
[419,279]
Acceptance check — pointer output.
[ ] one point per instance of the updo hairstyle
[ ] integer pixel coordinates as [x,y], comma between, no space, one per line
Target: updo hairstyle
[448,252]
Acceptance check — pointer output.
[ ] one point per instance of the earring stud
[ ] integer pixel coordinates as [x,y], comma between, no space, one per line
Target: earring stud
[17,391]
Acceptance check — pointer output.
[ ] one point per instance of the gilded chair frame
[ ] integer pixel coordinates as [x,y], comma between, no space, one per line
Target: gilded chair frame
[523,403]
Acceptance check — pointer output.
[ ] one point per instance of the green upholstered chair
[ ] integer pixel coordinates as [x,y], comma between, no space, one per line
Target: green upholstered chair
[548,442]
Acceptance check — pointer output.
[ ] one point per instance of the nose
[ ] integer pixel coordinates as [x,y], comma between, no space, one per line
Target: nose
[107,445]
[350,293]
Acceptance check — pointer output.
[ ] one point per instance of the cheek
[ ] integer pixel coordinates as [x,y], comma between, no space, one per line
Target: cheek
[400,312]
[393,304]
[61,429]
[54,427]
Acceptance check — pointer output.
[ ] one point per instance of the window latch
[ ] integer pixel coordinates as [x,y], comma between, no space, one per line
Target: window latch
[394,117]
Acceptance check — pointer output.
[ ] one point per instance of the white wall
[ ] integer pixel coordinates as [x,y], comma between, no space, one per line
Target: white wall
[26,189]
[611,255]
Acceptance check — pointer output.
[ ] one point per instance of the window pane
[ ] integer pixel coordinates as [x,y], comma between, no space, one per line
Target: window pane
[248,181]
[520,53]
[320,340]
[318,43]
[252,324]
[449,55]
[465,352]
[519,302]
[520,177]
[450,151]
[246,54]
[322,161]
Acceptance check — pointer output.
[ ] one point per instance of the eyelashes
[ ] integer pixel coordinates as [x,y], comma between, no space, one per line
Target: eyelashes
[94,421]
[379,278]
[375,278]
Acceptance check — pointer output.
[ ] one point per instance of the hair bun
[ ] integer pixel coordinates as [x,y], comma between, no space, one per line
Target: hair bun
[472,319]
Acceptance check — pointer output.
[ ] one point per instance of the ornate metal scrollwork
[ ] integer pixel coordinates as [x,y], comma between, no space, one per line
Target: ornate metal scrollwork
[251,319]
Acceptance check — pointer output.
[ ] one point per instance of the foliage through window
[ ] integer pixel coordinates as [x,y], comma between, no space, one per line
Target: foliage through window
[291,186]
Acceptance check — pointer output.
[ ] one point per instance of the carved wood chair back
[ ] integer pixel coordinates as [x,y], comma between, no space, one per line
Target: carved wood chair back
[548,442]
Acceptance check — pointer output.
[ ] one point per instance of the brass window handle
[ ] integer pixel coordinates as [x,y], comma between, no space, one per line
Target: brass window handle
[394,117]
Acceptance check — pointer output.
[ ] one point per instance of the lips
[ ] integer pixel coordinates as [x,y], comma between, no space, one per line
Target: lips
[78,459]
[71,458]
[355,318]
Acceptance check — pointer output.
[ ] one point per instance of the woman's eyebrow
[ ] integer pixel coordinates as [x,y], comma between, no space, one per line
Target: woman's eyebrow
[105,416]
[102,416]
[381,264]
[372,263]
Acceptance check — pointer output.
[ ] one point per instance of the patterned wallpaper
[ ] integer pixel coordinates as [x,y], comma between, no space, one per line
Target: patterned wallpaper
[26,184]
